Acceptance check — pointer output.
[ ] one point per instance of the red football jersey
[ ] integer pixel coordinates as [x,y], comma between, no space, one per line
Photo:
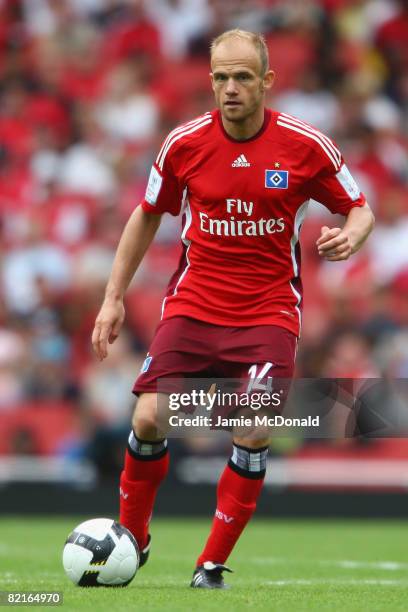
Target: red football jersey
[243,205]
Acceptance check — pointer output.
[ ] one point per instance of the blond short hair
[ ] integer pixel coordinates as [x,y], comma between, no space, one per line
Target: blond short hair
[257,40]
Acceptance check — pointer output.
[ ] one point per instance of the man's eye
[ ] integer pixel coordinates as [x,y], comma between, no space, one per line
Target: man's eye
[220,77]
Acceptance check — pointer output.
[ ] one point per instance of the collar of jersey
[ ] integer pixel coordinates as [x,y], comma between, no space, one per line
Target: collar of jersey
[267,118]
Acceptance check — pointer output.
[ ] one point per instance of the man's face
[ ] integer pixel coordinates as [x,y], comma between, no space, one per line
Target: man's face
[237,82]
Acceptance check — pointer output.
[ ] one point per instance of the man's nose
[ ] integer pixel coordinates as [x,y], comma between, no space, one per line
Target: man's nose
[231,86]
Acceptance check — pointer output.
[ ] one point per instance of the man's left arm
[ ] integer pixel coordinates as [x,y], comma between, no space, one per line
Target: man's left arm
[337,244]
[334,186]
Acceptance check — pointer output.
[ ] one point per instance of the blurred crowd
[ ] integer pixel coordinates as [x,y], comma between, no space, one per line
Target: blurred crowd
[89,89]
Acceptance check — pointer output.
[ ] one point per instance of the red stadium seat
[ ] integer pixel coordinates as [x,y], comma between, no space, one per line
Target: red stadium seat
[47,423]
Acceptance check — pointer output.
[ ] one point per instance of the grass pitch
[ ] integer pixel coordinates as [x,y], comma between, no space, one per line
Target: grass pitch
[357,566]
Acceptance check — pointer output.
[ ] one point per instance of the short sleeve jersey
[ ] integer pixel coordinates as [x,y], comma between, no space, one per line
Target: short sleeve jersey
[243,205]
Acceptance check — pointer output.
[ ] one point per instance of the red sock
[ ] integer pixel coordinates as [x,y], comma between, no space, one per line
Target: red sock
[236,502]
[139,483]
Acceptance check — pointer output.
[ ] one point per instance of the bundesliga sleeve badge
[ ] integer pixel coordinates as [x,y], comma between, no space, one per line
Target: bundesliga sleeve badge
[153,186]
[276,179]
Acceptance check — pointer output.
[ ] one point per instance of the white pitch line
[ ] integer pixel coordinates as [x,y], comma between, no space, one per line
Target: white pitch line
[383,565]
[272,560]
[8,578]
[351,582]
[342,563]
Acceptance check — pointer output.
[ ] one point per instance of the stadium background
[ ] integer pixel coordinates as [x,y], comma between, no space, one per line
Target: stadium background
[88,90]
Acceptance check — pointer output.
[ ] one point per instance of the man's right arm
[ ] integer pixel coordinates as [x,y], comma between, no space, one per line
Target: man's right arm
[134,242]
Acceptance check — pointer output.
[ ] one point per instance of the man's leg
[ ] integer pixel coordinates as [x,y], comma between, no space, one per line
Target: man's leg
[269,356]
[238,489]
[146,465]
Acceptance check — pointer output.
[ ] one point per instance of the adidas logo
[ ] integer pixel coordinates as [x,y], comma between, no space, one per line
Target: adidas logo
[241,162]
[197,579]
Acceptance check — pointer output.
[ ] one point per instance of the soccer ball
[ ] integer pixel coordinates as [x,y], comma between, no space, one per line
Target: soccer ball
[100,552]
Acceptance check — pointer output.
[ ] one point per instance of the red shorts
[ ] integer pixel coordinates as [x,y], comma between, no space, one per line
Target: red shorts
[187,348]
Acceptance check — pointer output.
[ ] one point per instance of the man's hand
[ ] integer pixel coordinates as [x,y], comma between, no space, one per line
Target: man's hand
[334,244]
[337,244]
[107,326]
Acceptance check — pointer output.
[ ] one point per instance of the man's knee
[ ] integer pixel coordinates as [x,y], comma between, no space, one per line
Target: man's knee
[252,442]
[145,421]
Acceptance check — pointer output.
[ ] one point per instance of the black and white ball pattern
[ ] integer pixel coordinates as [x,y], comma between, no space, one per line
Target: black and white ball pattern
[100,552]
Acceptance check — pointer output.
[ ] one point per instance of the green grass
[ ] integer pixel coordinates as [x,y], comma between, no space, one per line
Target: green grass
[279,565]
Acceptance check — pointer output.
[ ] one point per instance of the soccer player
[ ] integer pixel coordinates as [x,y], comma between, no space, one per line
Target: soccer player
[242,176]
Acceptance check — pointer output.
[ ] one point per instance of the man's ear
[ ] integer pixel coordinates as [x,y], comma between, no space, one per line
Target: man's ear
[268,79]
[212,80]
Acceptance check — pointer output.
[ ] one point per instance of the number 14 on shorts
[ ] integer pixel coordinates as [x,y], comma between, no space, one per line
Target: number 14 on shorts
[259,381]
